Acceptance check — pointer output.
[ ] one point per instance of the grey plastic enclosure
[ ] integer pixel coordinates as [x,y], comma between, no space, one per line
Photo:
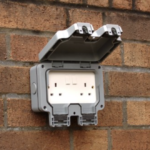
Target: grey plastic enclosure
[78,48]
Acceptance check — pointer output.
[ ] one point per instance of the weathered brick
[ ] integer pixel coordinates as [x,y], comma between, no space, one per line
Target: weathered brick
[1,113]
[93,17]
[122,4]
[32,17]
[131,140]
[19,114]
[92,139]
[134,26]
[29,140]
[26,48]
[142,5]
[99,3]
[114,59]
[14,80]
[136,54]
[138,112]
[2,47]
[111,115]
[129,84]
[72,1]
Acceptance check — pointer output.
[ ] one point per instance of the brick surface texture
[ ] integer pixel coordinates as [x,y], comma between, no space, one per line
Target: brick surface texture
[72,1]
[1,113]
[34,140]
[134,26]
[26,48]
[131,139]
[129,84]
[14,80]
[112,115]
[32,17]
[137,55]
[143,5]
[19,114]
[114,59]
[123,124]
[122,4]
[92,139]
[3,54]
[138,112]
[102,3]
[93,17]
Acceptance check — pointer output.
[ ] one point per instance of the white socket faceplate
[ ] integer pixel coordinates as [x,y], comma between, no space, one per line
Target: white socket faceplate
[71,87]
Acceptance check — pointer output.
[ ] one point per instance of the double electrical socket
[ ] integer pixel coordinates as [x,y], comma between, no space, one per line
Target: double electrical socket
[71,87]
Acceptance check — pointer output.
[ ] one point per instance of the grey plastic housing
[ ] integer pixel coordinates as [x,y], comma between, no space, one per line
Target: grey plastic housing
[77,48]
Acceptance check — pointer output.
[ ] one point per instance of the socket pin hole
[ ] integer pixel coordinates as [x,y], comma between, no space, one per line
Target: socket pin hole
[51,94]
[55,84]
[60,94]
[101,106]
[85,84]
[44,107]
[92,87]
[99,67]
[81,94]
[89,94]
[74,113]
[42,66]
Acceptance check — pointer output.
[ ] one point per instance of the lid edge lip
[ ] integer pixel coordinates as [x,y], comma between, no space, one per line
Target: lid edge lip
[62,34]
[65,34]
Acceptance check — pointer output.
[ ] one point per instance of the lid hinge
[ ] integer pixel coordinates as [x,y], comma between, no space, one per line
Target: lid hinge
[57,64]
[60,120]
[89,119]
[85,64]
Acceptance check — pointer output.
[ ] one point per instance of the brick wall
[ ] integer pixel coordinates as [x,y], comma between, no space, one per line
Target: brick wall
[26,26]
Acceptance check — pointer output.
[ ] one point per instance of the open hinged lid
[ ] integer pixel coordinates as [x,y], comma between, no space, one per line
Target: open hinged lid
[80,43]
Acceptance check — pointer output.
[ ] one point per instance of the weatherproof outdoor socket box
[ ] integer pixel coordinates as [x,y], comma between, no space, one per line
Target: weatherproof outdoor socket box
[69,80]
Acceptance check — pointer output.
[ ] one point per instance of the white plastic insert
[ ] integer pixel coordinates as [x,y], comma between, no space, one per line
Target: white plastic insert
[71,87]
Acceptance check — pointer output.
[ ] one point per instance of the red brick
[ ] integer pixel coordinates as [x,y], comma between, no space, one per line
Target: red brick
[32,17]
[92,139]
[72,1]
[1,113]
[19,114]
[14,80]
[3,47]
[93,17]
[131,140]
[122,4]
[100,3]
[136,54]
[138,112]
[34,140]
[111,115]
[114,59]
[134,26]
[26,48]
[143,5]
[129,84]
